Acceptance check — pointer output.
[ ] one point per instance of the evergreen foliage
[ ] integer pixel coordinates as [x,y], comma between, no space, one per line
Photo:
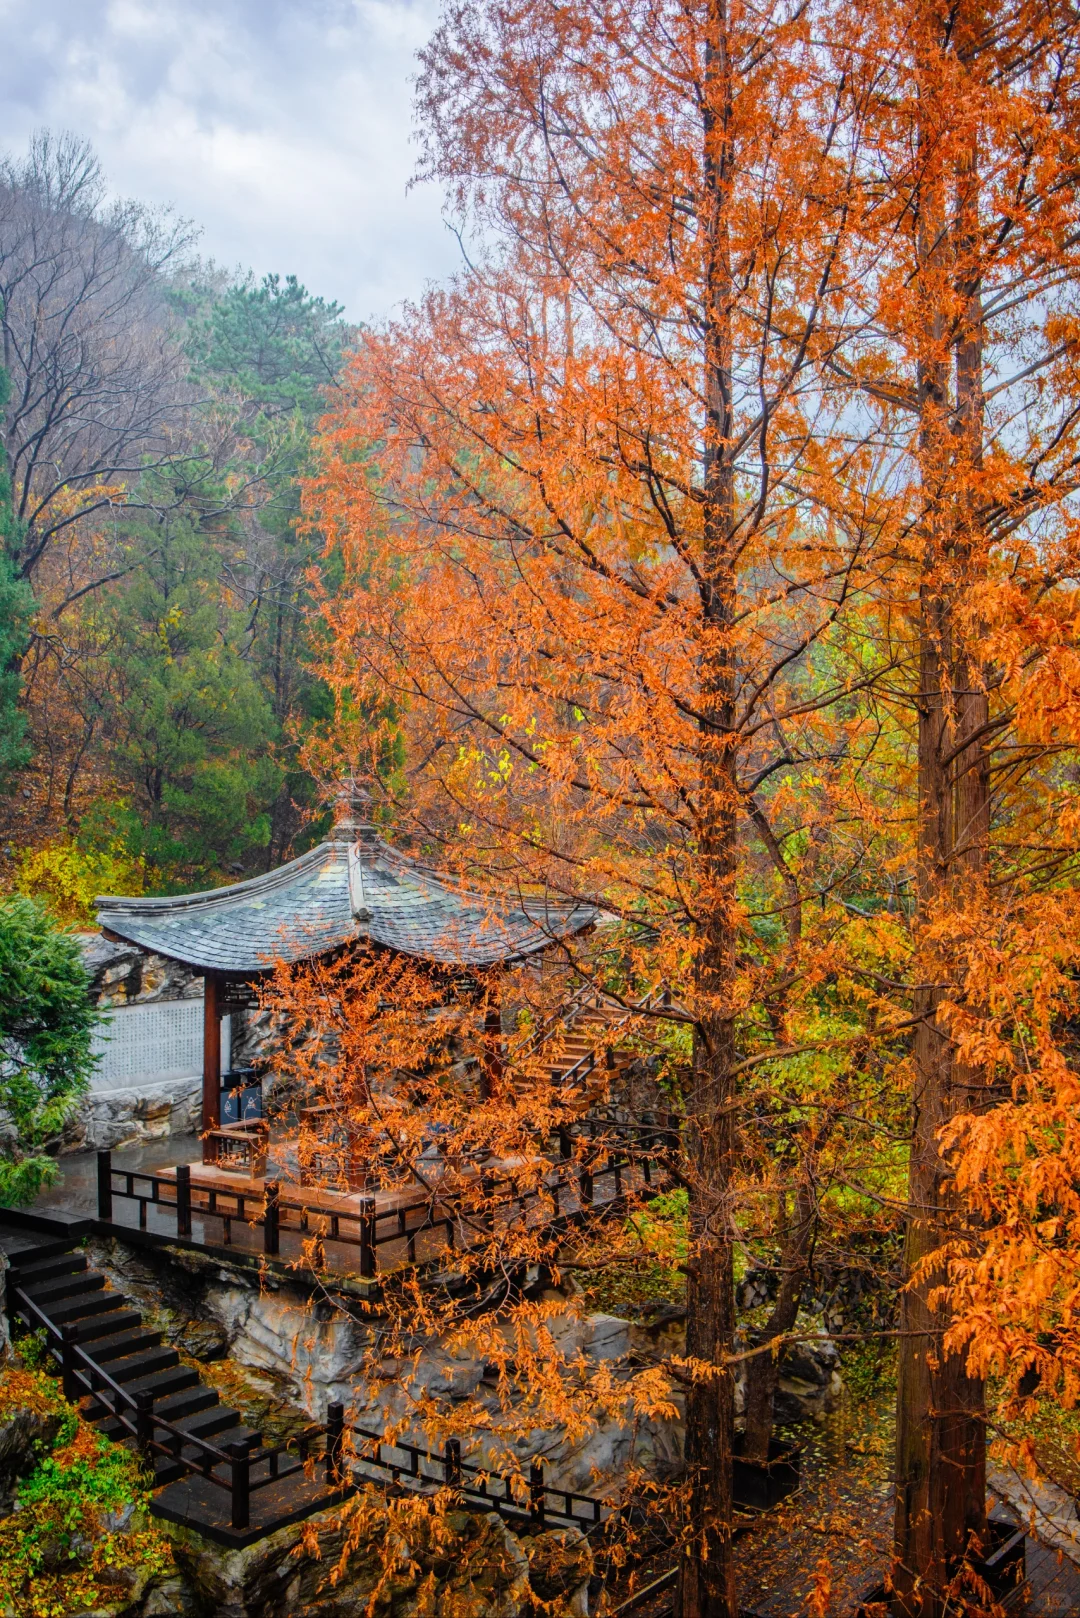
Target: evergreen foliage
[46,1027]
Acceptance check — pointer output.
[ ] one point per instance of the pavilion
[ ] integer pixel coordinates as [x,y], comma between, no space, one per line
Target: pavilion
[354,889]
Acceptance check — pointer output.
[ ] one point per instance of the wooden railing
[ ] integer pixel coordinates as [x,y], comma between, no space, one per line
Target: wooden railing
[585,997]
[237,1471]
[240,1148]
[511,1496]
[461,1220]
[240,1471]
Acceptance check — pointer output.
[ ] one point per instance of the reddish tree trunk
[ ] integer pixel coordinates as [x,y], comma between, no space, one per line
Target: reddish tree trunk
[706,1583]
[941,1437]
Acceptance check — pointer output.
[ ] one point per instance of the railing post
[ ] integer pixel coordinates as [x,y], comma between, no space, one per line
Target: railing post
[144,1425]
[452,1463]
[183,1200]
[566,1144]
[272,1220]
[104,1185]
[241,1485]
[335,1444]
[585,1194]
[69,1365]
[367,1237]
[536,1493]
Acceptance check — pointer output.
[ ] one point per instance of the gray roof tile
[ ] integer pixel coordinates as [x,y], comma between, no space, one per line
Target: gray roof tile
[336,893]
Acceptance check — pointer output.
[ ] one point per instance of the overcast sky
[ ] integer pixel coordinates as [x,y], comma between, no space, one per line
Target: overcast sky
[282,127]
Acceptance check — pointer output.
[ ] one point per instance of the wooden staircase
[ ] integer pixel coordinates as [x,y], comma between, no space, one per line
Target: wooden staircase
[211,1471]
[58,1279]
[588,1039]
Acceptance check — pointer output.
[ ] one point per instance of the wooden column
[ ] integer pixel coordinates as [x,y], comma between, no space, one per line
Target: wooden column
[491,1065]
[211,1084]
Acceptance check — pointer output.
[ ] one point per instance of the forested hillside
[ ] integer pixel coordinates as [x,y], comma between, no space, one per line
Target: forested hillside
[154,652]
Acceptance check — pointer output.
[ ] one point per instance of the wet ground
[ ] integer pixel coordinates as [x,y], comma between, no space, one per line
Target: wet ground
[76,1189]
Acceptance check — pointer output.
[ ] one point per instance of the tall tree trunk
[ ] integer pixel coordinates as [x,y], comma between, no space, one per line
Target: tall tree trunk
[763,1370]
[706,1583]
[941,1437]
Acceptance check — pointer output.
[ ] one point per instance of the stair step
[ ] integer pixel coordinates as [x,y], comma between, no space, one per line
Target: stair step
[38,1252]
[137,1367]
[134,1340]
[197,1397]
[46,1269]
[65,1286]
[236,1433]
[100,1328]
[206,1423]
[176,1408]
[95,1304]
[158,1383]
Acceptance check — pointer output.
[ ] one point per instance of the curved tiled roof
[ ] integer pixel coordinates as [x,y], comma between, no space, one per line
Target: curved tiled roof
[338,892]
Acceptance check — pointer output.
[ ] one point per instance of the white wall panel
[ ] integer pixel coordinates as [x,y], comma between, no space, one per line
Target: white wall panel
[151,1043]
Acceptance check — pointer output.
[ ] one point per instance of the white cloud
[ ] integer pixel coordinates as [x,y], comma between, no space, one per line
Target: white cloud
[283,128]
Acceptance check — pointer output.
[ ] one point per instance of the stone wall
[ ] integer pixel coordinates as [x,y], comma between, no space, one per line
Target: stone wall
[311,1353]
[124,975]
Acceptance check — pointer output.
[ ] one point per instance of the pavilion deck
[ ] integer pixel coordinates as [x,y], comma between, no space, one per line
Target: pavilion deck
[168,1193]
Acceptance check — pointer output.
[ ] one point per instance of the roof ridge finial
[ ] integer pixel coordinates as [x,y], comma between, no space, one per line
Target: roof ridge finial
[352,813]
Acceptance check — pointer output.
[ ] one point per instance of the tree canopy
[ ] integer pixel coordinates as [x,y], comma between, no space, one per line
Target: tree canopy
[156,672]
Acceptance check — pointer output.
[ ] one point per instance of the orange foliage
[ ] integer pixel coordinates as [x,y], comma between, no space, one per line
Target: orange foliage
[708,553]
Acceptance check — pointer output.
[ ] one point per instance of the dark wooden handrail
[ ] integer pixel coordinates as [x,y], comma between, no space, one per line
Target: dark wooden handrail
[508,1494]
[513,1495]
[610,1148]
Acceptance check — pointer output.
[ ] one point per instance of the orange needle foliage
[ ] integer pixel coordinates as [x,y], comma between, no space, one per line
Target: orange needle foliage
[580,569]
[971,378]
[707,550]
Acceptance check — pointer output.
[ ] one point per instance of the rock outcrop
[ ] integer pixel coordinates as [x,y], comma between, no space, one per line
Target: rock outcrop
[108,1119]
[463,1565]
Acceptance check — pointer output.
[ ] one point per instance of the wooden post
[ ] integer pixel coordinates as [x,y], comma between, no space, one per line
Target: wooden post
[272,1223]
[491,1066]
[367,1237]
[104,1185]
[241,1484]
[335,1444]
[69,1365]
[585,1179]
[211,1088]
[144,1425]
[183,1200]
[452,1463]
[536,1493]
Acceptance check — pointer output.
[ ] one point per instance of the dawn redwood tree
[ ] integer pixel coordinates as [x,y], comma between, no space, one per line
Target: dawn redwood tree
[972,374]
[582,580]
